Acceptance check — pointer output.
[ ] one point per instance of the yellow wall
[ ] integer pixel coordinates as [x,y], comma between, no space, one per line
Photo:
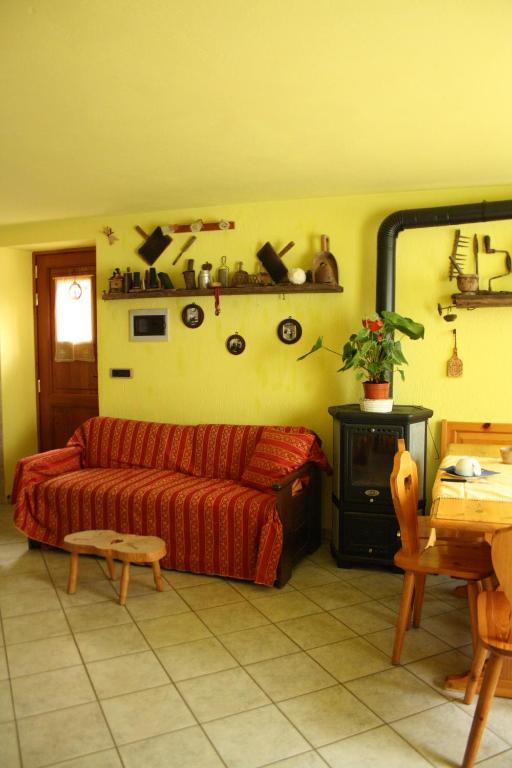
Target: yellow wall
[17,373]
[192,378]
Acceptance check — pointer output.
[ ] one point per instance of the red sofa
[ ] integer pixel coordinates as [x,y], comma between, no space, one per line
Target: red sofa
[239,501]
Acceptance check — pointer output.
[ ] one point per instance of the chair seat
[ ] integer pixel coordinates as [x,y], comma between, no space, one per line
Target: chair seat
[462,561]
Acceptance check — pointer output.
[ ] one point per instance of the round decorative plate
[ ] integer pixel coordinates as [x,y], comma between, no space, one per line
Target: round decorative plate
[235,344]
[289,331]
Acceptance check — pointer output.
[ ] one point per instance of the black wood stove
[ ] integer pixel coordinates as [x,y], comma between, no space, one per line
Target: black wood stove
[364,525]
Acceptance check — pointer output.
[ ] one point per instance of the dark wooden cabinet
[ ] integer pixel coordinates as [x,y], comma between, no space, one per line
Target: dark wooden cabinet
[364,525]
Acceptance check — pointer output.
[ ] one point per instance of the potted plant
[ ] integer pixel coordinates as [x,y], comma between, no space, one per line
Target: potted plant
[374,353]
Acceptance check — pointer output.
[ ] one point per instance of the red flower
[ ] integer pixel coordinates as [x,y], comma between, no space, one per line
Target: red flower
[373,325]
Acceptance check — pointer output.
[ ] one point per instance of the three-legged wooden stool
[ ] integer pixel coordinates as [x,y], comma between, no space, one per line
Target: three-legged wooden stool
[127,547]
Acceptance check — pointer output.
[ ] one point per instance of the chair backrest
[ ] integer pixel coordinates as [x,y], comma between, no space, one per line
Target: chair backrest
[474,432]
[502,559]
[404,492]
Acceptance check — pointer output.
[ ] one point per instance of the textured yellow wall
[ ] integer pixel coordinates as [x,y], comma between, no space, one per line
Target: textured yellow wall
[17,371]
[192,378]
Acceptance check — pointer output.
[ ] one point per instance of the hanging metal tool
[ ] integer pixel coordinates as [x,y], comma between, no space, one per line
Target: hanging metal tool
[508,260]
[454,364]
[459,241]
[184,248]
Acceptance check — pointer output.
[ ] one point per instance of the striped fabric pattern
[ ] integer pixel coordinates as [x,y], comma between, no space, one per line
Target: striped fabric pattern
[222,450]
[209,526]
[276,455]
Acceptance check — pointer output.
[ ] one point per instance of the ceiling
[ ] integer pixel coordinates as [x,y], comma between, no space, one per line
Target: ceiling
[117,106]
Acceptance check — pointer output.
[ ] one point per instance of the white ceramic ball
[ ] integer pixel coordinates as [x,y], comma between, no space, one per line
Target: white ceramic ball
[297,276]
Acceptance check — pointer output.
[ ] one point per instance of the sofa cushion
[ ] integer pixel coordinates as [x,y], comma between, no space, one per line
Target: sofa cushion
[223,450]
[276,454]
[116,443]
[209,526]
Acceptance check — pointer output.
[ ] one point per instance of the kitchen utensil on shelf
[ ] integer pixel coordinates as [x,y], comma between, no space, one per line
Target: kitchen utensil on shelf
[454,364]
[185,247]
[223,273]
[467,283]
[205,276]
[240,277]
[325,268]
[475,253]
[155,245]
[459,241]
[449,316]
[272,261]
[189,275]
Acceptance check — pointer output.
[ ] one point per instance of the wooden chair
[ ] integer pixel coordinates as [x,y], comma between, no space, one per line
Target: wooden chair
[494,610]
[470,562]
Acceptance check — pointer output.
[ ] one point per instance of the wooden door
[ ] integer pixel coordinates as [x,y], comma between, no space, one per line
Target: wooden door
[67,381]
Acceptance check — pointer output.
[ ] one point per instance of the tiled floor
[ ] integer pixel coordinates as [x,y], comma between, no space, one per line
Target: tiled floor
[214,673]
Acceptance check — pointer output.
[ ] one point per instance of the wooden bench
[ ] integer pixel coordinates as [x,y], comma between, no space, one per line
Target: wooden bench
[129,548]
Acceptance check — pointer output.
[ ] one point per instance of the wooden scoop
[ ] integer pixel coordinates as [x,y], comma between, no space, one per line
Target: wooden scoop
[454,365]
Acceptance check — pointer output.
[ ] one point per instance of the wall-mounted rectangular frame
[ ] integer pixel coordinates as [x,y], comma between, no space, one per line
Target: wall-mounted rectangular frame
[148,324]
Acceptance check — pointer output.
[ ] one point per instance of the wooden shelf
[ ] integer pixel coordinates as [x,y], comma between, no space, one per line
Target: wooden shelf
[242,290]
[483,299]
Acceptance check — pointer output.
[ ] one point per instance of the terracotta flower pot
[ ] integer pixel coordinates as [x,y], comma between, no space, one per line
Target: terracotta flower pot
[376,391]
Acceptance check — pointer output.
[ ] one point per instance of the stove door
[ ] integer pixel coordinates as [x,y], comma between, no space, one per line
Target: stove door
[368,453]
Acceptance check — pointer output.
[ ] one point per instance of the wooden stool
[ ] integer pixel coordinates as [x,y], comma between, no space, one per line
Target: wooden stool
[127,547]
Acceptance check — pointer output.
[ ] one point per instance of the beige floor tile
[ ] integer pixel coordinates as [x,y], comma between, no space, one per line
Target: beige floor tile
[453,627]
[232,618]
[107,759]
[336,595]
[380,584]
[328,715]
[179,579]
[35,626]
[306,760]
[445,591]
[221,694]
[156,604]
[252,591]
[141,715]
[17,558]
[87,593]
[4,673]
[442,746]
[209,595]
[67,733]
[504,760]
[9,742]
[289,676]
[258,644]
[88,569]
[59,558]
[394,694]
[418,644]
[240,742]
[110,642]
[500,716]
[350,659]
[366,617]
[30,602]
[306,574]
[20,583]
[170,630]
[47,691]
[142,582]
[435,669]
[42,655]
[316,629]
[188,748]
[381,747]
[125,674]
[6,708]
[199,657]
[287,606]
[97,616]
[432,606]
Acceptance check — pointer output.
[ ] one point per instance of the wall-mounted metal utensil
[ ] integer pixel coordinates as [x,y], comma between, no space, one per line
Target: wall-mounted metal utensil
[475,253]
[459,241]
[508,261]
[454,364]
[184,248]
[449,316]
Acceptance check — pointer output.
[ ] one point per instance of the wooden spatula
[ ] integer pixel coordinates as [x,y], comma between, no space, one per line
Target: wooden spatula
[454,365]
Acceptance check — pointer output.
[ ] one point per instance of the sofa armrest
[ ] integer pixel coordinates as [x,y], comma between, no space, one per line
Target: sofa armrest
[34,469]
[288,480]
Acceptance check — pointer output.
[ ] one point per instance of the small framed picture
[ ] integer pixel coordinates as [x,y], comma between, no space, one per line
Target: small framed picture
[289,331]
[235,344]
[192,315]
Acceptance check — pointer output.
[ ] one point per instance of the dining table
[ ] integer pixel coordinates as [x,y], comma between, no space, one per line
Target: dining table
[476,506]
